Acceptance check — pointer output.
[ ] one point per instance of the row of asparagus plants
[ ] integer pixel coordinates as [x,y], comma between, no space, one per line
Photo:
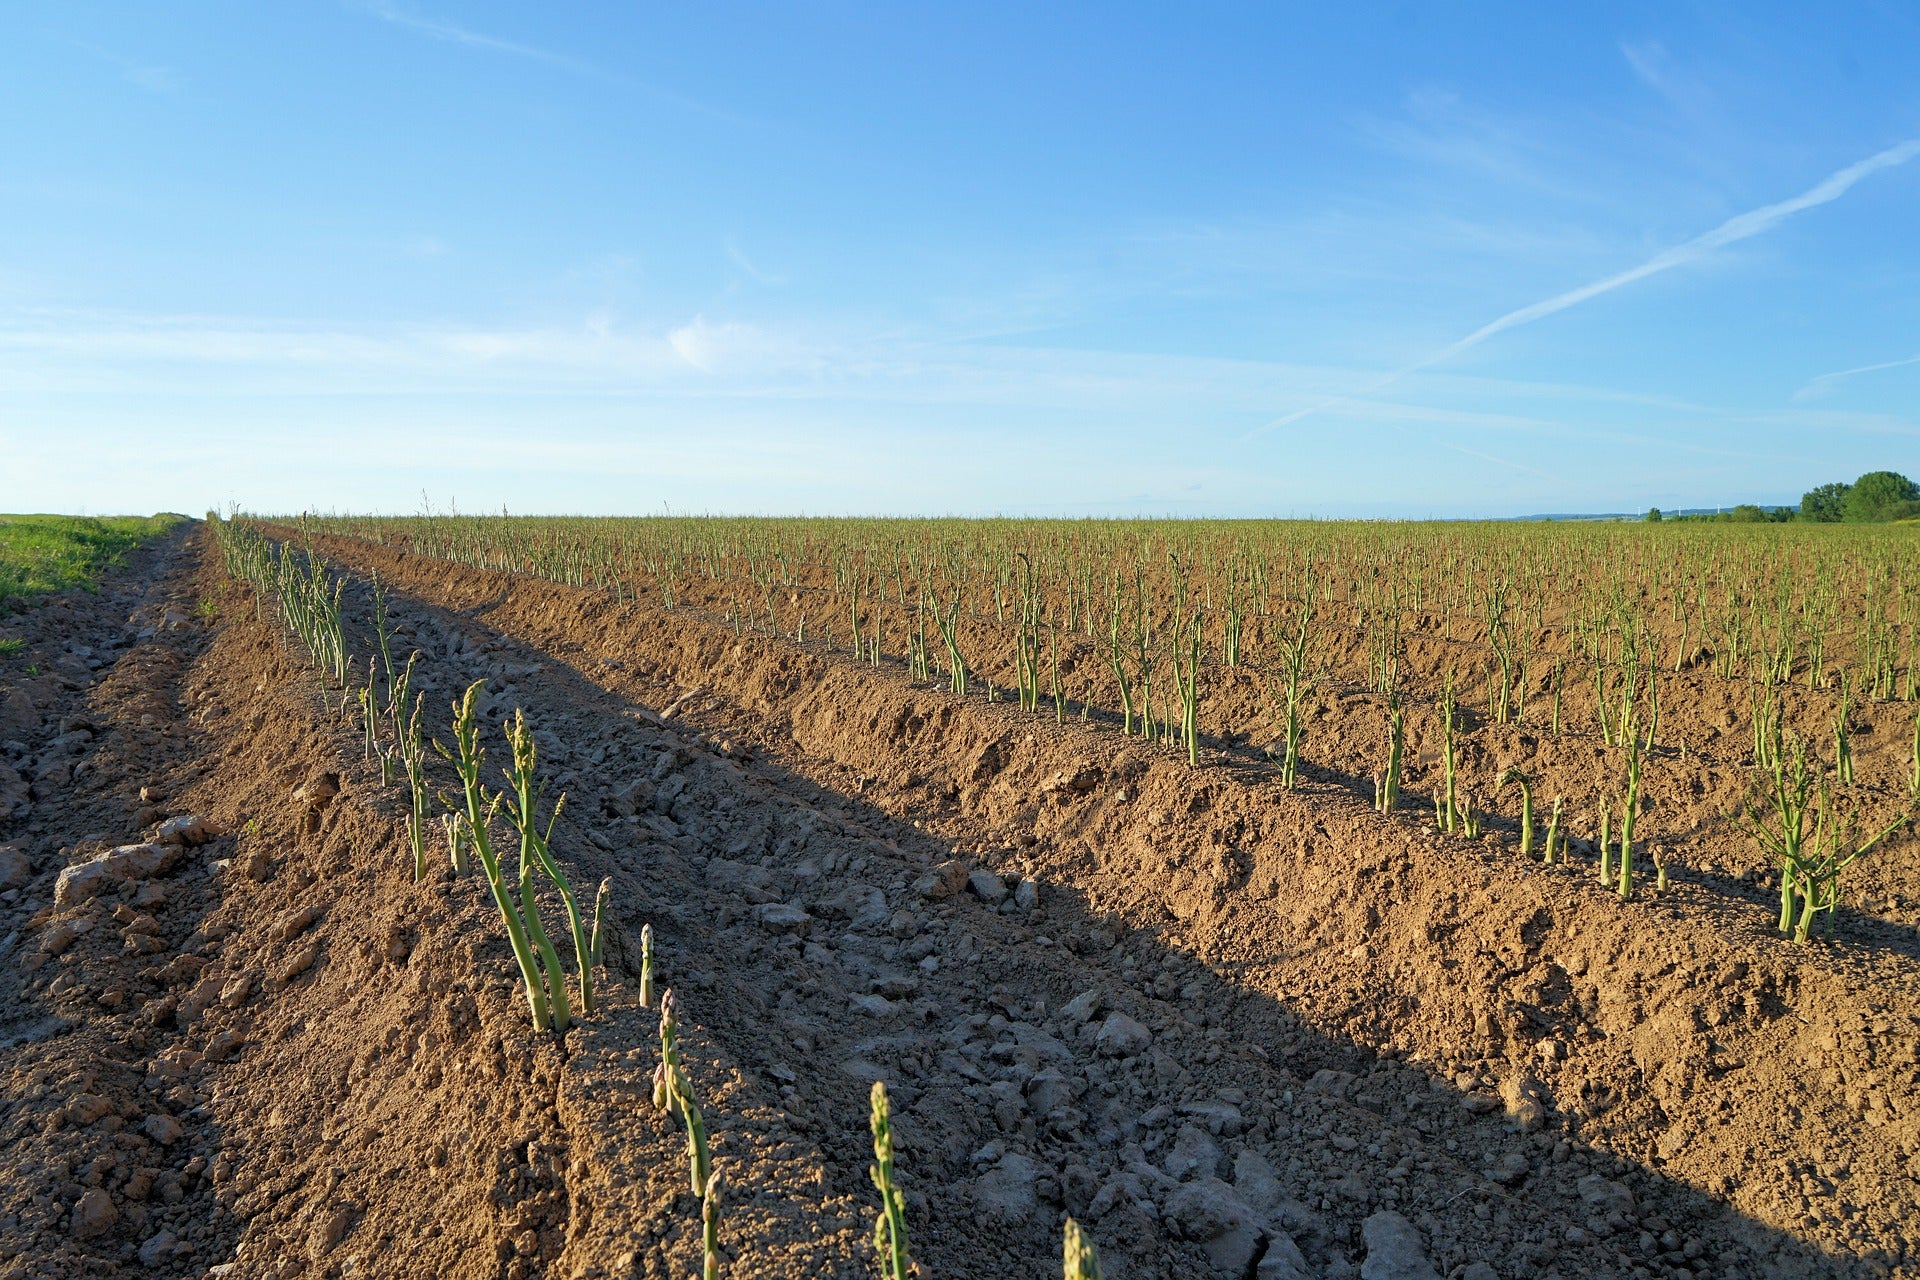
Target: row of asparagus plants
[1796,812]
[309,598]
[1812,831]
[299,585]
[1142,637]
[1619,635]
[1629,645]
[673,1095]
[1080,1259]
[469,825]
[1767,606]
[542,973]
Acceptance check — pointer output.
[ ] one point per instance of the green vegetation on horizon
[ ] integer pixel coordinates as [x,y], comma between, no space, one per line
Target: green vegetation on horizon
[1879,497]
[39,554]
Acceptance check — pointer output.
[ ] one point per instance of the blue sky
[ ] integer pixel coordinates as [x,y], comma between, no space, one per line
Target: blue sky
[1109,259]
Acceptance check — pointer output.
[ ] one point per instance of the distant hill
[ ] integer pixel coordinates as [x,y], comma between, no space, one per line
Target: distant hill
[1641,515]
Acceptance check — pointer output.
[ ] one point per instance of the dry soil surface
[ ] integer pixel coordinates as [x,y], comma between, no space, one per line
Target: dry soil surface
[1235,1031]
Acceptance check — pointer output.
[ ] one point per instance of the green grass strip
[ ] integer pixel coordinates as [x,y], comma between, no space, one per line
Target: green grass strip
[41,554]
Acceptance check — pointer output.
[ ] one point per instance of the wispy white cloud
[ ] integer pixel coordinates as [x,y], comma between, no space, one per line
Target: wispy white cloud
[1497,460]
[711,347]
[613,404]
[154,79]
[1735,229]
[1441,129]
[1826,382]
[132,350]
[1654,66]
[739,258]
[451,33]
[804,373]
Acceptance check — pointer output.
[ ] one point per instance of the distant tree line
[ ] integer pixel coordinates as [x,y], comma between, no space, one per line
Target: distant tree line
[1877,497]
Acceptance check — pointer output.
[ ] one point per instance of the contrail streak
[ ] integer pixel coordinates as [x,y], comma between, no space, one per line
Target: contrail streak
[1739,227]
[1826,380]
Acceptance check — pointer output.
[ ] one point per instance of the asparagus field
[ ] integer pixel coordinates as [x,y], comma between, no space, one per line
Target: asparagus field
[488,896]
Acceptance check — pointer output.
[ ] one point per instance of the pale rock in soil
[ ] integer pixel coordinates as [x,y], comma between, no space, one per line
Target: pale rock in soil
[318,791]
[195,1002]
[1005,1193]
[632,799]
[1254,1182]
[1121,1185]
[1194,1154]
[1081,1008]
[1049,1091]
[1220,1118]
[1283,1259]
[93,1215]
[185,829]
[163,1129]
[987,887]
[755,884]
[874,1005]
[15,867]
[1395,1250]
[1207,1210]
[1526,1102]
[863,904]
[781,917]
[1511,1168]
[1080,780]
[1121,1037]
[295,965]
[86,1108]
[328,1233]
[293,923]
[942,881]
[1602,1196]
[158,1249]
[896,986]
[1027,896]
[126,863]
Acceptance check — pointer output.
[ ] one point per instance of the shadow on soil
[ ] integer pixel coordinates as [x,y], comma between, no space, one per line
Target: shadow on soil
[1335,1119]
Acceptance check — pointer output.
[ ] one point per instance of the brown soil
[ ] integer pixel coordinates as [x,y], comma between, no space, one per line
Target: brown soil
[281,1057]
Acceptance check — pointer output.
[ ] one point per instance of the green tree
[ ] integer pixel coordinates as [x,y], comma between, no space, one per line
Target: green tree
[1653,514]
[1879,495]
[1826,504]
